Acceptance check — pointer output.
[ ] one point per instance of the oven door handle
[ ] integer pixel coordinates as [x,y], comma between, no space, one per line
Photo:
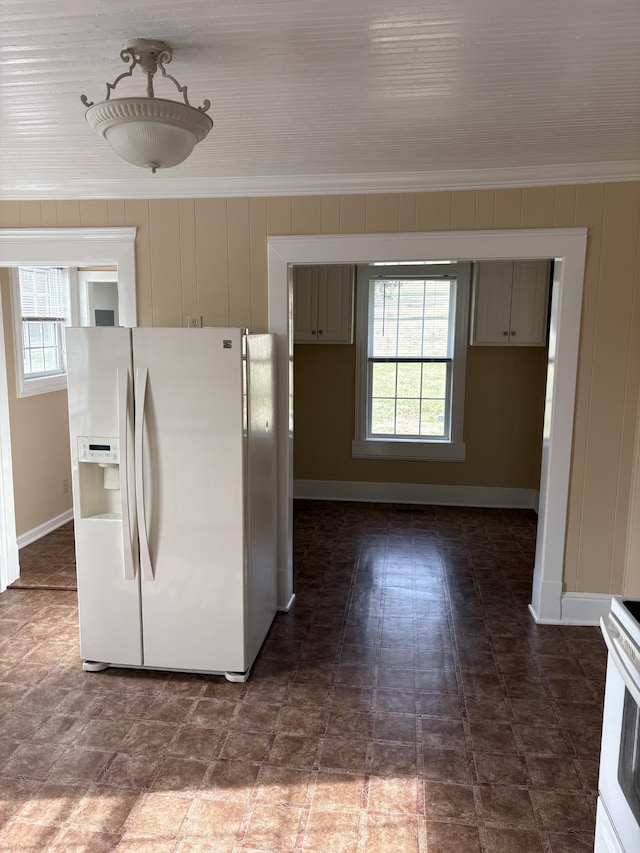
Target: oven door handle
[627,669]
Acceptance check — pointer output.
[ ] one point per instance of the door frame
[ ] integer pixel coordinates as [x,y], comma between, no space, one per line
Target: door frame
[54,247]
[567,247]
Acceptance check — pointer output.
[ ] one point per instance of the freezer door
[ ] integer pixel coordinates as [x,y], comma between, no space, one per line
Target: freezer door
[100,407]
[190,497]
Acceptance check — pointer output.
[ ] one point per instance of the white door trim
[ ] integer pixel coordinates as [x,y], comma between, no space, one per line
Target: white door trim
[567,246]
[55,247]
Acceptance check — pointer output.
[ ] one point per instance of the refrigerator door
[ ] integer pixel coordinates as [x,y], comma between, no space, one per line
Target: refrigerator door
[190,497]
[100,415]
[261,481]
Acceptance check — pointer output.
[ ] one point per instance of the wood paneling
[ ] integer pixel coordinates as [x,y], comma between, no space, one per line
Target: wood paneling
[433,211]
[306,214]
[188,270]
[212,267]
[331,214]
[93,213]
[164,245]
[589,212]
[137,213]
[49,212]
[507,211]
[407,212]
[258,250]
[538,207]
[463,210]
[382,213]
[565,207]
[239,254]
[353,216]
[279,216]
[30,214]
[485,209]
[69,213]
[116,212]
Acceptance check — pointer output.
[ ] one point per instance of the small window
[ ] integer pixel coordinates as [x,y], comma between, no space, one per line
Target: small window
[42,308]
[411,333]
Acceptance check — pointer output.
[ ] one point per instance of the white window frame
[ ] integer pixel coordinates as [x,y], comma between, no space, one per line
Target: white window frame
[429,448]
[27,386]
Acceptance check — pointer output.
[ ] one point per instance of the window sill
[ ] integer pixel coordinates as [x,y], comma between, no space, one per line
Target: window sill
[427,451]
[42,385]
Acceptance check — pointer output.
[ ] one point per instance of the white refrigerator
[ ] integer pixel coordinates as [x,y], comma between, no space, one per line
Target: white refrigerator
[173,448]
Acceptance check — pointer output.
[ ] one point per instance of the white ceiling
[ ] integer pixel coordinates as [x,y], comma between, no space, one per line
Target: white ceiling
[329,95]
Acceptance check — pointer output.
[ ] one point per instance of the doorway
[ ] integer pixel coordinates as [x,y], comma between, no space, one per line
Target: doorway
[567,247]
[62,247]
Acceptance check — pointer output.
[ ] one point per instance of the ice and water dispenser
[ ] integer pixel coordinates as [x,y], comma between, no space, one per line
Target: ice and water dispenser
[99,477]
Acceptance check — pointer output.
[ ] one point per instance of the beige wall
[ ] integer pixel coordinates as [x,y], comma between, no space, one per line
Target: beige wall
[207,256]
[39,441]
[504,402]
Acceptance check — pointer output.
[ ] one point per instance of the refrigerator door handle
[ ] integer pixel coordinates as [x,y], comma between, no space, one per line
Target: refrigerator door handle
[123,414]
[141,393]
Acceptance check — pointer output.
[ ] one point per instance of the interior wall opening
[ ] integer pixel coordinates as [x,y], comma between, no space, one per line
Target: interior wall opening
[39,428]
[94,254]
[567,247]
[503,395]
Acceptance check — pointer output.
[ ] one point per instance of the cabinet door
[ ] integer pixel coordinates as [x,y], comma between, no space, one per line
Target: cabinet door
[491,303]
[305,304]
[335,304]
[529,303]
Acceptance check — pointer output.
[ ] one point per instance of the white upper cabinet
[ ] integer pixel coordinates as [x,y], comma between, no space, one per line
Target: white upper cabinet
[323,304]
[510,303]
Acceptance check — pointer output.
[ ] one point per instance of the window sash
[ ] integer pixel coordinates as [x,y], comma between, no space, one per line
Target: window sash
[44,292]
[47,353]
[420,402]
[431,308]
[416,403]
[44,307]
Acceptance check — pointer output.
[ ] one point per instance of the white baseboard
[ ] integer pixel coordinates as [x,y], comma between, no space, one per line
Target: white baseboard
[579,608]
[546,598]
[584,608]
[42,529]
[416,493]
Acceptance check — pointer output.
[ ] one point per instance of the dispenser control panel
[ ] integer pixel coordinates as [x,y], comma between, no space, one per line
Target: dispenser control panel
[98,449]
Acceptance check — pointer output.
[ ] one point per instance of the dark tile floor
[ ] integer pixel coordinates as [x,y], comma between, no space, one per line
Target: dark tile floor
[408,703]
[50,562]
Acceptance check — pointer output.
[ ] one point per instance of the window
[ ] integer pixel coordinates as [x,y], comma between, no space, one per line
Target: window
[42,307]
[411,344]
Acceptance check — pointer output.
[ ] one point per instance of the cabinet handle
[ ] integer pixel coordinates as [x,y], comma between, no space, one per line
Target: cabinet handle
[320,332]
[506,334]
[313,331]
[513,333]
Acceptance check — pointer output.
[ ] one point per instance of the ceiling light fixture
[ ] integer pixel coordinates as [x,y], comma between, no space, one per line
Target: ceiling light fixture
[155,133]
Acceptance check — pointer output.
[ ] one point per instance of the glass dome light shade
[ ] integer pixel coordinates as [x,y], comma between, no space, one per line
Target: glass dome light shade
[150,132]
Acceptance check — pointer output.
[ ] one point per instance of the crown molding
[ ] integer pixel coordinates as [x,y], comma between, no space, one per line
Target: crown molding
[160,186]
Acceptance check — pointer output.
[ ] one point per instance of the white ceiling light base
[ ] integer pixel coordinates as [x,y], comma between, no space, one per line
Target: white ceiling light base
[154,133]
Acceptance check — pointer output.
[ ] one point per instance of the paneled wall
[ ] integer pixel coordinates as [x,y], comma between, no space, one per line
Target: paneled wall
[39,441]
[207,256]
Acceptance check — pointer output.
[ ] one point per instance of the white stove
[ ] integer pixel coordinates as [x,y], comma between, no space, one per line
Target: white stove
[618,815]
